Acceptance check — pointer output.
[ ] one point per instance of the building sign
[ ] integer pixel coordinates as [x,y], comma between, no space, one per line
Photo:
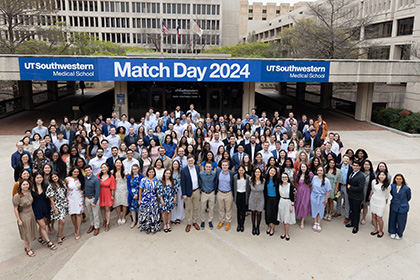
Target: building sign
[186,70]
[121,99]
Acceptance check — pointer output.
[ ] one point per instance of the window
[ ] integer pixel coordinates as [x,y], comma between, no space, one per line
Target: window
[379,53]
[198,9]
[264,11]
[405,26]
[264,18]
[277,11]
[250,18]
[379,30]
[184,9]
[250,11]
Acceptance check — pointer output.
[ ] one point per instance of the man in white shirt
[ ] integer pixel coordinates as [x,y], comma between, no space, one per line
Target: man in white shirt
[190,185]
[272,143]
[124,123]
[105,147]
[192,112]
[113,139]
[97,161]
[284,142]
[40,129]
[60,140]
[129,162]
[178,127]
[181,158]
[266,154]
[278,133]
[335,148]
[215,143]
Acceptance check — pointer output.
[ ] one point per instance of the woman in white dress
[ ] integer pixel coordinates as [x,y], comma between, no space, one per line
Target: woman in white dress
[378,200]
[159,168]
[286,215]
[121,192]
[75,184]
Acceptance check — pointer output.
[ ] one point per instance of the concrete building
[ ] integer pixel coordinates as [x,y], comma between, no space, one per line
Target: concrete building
[394,29]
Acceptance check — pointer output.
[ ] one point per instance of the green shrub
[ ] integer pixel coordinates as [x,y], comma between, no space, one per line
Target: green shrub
[400,119]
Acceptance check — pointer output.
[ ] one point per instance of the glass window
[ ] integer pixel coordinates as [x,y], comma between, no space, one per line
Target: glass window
[194,6]
[164,8]
[174,8]
[405,26]
[264,11]
[158,11]
[184,9]
[112,7]
[198,9]
[250,11]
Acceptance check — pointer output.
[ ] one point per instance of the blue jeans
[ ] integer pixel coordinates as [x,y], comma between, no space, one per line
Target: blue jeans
[397,222]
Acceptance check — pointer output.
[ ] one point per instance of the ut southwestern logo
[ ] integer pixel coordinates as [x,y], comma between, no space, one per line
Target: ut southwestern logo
[63,69]
[311,72]
[181,71]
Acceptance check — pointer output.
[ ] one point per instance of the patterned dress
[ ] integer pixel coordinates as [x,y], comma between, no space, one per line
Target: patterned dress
[121,193]
[75,196]
[133,189]
[178,211]
[168,194]
[148,210]
[60,201]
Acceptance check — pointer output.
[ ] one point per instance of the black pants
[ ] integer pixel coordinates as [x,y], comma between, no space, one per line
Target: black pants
[241,207]
[355,212]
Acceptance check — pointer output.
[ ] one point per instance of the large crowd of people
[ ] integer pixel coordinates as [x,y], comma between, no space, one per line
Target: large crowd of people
[177,166]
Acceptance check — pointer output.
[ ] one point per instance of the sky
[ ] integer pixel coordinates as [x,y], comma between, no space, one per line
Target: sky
[277,1]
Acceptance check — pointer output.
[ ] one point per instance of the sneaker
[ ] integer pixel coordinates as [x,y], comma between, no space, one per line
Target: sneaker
[210,225]
[219,226]
[227,227]
[202,225]
[397,237]
[393,236]
[119,222]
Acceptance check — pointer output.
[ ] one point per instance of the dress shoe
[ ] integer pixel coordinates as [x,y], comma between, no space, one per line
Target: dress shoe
[355,230]
[374,232]
[254,230]
[287,238]
[380,235]
[210,225]
[188,228]
[336,215]
[238,228]
[242,228]
[202,225]
[257,230]
[96,232]
[197,227]
[349,225]
[346,221]
[227,226]
[90,229]
[219,226]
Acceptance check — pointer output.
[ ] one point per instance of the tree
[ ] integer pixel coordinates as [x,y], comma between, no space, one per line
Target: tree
[249,50]
[20,19]
[332,30]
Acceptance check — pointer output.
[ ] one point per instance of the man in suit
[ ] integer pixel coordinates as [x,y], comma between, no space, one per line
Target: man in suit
[171,119]
[111,160]
[276,152]
[167,162]
[238,125]
[107,126]
[69,134]
[277,133]
[247,139]
[149,137]
[262,128]
[190,186]
[314,141]
[131,137]
[355,186]
[346,170]
[294,129]
[230,147]
[252,148]
[224,196]
[178,113]
[237,157]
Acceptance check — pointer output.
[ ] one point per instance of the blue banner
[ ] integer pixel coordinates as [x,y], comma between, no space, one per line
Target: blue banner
[186,70]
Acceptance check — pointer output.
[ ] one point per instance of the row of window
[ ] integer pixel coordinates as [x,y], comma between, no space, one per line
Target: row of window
[199,9]
[263,11]
[119,38]
[37,20]
[172,23]
[111,6]
[384,29]
[84,21]
[184,39]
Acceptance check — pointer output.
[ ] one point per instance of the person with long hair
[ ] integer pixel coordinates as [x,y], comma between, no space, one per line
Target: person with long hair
[401,195]
[288,168]
[39,160]
[350,154]
[153,149]
[241,192]
[361,155]
[24,175]
[170,146]
[42,208]
[178,211]
[93,147]
[75,183]
[334,176]
[159,168]
[22,203]
[378,200]
[121,192]
[383,167]
[286,214]
[57,193]
[210,159]
[106,199]
[315,163]
[303,193]
[58,165]
[367,170]
[259,163]
[149,220]
[133,186]
[321,189]
[302,158]
[247,163]
[256,199]
[147,161]
[24,164]
[65,152]
[271,199]
[167,193]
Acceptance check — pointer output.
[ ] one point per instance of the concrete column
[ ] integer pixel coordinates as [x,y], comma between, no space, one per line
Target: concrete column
[25,90]
[71,87]
[248,98]
[326,94]
[52,87]
[364,101]
[121,97]
[300,91]
[283,88]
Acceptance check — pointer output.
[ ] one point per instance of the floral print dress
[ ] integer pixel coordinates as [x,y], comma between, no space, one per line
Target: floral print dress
[60,201]
[168,194]
[149,219]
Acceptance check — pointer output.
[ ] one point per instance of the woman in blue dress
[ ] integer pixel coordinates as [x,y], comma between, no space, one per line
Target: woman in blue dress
[167,194]
[321,188]
[177,213]
[133,184]
[149,220]
[170,146]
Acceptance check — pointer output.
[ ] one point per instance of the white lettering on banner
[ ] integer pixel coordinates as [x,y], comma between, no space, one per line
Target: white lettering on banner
[58,66]
[293,68]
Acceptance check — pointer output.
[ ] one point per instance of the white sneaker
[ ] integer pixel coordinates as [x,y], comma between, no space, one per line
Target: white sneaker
[119,222]
[393,236]
[318,228]
[123,221]
[397,237]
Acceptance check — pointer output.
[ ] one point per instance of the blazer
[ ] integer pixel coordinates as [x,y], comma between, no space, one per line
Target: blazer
[167,162]
[357,184]
[146,140]
[247,187]
[127,139]
[399,202]
[72,135]
[231,173]
[248,149]
[235,160]
[317,142]
[105,129]
[110,162]
[186,183]
[275,152]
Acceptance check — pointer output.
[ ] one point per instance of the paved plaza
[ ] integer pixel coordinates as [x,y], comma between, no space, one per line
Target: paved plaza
[124,253]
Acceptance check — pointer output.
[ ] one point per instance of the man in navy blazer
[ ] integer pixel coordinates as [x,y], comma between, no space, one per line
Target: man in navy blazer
[237,157]
[190,186]
[401,195]
[150,136]
[355,186]
[253,147]
[224,194]
[107,126]
[178,113]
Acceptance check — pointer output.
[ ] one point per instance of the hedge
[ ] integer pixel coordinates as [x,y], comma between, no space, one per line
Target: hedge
[400,119]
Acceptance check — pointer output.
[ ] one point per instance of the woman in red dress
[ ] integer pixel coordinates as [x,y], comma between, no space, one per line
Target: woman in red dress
[106,196]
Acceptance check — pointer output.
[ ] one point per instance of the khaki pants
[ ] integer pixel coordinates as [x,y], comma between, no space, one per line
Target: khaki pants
[192,204]
[210,197]
[92,212]
[224,200]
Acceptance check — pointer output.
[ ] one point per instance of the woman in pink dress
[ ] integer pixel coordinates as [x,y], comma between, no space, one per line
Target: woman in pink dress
[153,150]
[303,193]
[106,196]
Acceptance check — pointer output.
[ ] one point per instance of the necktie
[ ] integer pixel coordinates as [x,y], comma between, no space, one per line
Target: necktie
[351,175]
[240,157]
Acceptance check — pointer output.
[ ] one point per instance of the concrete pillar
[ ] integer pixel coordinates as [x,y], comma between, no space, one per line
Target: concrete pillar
[71,87]
[300,91]
[283,88]
[248,98]
[326,94]
[121,97]
[364,101]
[25,90]
[52,87]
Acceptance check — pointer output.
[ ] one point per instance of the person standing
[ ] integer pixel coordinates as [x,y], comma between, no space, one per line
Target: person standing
[271,198]
[256,199]
[167,193]
[98,161]
[121,192]
[346,170]
[321,189]
[15,158]
[355,187]
[378,200]
[92,192]
[57,193]
[286,215]
[190,184]
[40,129]
[224,196]
[401,195]
[303,193]
[208,197]
[178,211]
[75,184]
[106,196]
[241,192]
[22,203]
[149,220]
[133,186]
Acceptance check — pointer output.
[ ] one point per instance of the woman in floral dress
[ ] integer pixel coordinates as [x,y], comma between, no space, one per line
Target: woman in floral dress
[133,185]
[167,193]
[149,220]
[57,193]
